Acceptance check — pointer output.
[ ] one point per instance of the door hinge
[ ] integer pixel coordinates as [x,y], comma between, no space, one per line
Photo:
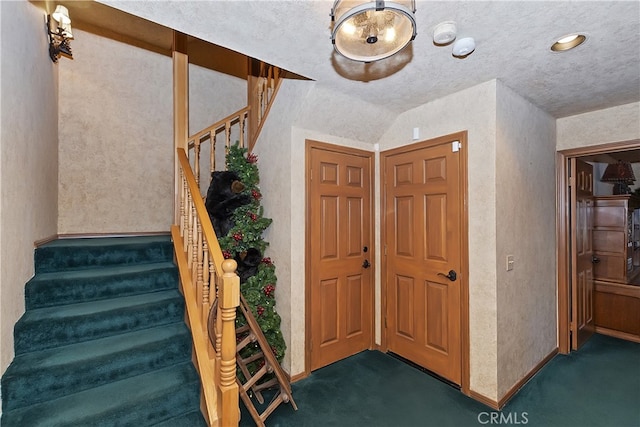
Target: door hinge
[456,146]
[572,327]
[385,322]
[385,249]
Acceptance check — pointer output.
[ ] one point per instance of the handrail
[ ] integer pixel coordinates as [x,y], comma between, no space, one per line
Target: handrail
[201,263]
[226,125]
[218,125]
[263,82]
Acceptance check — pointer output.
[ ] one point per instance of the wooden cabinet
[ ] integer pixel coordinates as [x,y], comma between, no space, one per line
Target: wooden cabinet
[616,248]
[615,242]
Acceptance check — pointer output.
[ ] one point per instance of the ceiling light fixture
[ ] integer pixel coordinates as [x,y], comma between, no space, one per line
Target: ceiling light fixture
[368,31]
[568,42]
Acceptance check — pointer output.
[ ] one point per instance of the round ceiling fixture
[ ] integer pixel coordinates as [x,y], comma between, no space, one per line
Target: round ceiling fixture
[463,47]
[568,42]
[444,33]
[368,31]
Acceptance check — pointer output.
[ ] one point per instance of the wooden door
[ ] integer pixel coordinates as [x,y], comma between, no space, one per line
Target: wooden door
[582,319]
[423,237]
[339,221]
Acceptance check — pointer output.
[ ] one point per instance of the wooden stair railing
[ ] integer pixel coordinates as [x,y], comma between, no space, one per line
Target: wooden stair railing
[202,266]
[231,126]
[198,254]
[263,82]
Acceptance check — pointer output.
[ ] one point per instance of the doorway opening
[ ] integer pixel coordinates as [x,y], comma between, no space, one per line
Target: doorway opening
[628,151]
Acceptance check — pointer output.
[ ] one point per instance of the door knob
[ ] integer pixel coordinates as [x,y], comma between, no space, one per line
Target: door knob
[366,264]
[452,275]
[595,259]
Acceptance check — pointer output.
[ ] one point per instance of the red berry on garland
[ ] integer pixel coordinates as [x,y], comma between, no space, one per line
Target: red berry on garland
[256,194]
[226,254]
[237,236]
[268,290]
[267,260]
[252,158]
[260,310]
[253,216]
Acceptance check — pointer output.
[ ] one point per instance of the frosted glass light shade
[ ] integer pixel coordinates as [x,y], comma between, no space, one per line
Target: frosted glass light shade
[61,14]
[368,31]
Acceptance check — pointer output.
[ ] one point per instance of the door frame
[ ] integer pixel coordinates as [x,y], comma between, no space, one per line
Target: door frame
[563,222]
[313,144]
[465,379]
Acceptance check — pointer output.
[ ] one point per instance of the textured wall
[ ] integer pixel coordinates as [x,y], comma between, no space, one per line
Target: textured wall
[282,148]
[473,110]
[28,156]
[615,124]
[116,138]
[116,134]
[274,162]
[525,219]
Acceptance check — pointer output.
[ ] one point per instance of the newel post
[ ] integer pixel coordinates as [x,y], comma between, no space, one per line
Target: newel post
[229,299]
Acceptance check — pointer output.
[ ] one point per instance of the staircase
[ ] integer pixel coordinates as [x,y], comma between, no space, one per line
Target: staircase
[103,340]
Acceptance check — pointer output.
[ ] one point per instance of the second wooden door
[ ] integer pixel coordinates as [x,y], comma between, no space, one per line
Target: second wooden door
[423,263]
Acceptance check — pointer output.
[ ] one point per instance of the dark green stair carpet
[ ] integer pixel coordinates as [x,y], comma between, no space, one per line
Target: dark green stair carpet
[103,340]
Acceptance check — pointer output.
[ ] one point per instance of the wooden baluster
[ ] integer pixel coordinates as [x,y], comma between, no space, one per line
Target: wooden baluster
[228,303]
[193,248]
[200,273]
[185,213]
[241,140]
[183,189]
[189,247]
[205,284]
[212,161]
[213,353]
[227,131]
[196,161]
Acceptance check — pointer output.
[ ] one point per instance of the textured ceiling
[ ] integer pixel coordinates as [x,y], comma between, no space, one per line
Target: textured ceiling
[512,39]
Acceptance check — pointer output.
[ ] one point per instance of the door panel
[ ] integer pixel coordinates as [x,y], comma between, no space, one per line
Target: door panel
[582,319]
[341,288]
[423,229]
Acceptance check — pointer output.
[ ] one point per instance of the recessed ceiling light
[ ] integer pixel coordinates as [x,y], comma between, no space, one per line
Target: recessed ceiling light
[567,42]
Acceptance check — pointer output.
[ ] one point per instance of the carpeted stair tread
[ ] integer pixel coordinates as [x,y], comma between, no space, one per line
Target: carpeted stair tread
[73,286]
[62,325]
[47,374]
[191,419]
[70,254]
[143,400]
[103,340]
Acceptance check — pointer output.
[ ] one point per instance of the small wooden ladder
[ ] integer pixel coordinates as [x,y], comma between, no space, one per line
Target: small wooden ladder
[251,333]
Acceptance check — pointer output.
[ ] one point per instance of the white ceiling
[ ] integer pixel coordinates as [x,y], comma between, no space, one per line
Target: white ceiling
[512,38]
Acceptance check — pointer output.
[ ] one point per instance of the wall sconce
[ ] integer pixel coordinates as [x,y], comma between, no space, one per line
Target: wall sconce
[59,29]
[368,31]
[621,175]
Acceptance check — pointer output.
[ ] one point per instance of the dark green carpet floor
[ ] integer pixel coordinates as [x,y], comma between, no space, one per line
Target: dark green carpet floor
[596,386]
[103,340]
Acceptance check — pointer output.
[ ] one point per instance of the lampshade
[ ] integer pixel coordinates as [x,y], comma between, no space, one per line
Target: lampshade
[619,172]
[61,14]
[368,31]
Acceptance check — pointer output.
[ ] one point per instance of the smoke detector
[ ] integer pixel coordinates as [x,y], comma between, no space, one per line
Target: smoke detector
[444,33]
[463,47]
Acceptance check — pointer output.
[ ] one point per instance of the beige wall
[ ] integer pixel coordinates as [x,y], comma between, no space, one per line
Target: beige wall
[115,127]
[116,134]
[615,124]
[282,147]
[28,156]
[473,110]
[525,219]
